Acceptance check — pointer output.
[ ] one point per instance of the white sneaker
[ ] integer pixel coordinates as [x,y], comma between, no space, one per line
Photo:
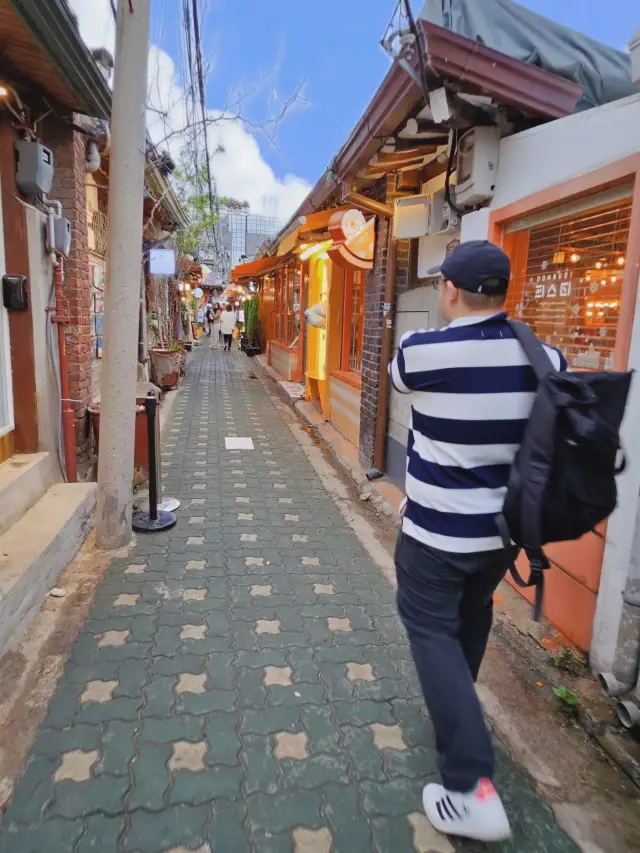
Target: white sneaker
[479,815]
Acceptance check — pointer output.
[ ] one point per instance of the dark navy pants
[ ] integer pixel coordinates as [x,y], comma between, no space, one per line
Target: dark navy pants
[446,604]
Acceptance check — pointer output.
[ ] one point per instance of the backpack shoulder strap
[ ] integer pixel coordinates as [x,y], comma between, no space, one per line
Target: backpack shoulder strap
[533,349]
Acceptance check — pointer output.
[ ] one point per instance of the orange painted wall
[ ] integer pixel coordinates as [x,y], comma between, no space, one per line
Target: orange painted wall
[572,581]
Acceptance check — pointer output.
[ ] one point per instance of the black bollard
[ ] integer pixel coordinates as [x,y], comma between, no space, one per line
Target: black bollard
[154,520]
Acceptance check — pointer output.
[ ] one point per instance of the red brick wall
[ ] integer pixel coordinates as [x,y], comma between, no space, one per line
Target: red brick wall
[69,188]
[383,190]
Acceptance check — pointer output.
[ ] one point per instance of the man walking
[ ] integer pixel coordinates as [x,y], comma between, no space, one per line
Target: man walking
[473,390]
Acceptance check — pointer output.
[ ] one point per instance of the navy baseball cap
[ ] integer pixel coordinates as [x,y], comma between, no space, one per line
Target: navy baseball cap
[477,266]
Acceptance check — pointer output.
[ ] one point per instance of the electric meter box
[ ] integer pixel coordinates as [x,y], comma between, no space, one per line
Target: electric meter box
[61,235]
[35,168]
[443,218]
[477,169]
[411,217]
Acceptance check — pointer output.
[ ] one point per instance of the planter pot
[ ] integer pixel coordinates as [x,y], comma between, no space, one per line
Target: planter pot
[166,367]
[141,448]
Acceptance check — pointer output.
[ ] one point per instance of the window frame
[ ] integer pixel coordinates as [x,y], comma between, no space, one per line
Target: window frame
[287,280]
[353,278]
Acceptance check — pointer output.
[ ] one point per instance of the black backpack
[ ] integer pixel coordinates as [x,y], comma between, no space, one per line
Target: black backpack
[562,482]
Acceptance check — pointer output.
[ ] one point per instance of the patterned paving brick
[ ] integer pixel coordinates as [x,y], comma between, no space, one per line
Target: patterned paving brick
[76,766]
[242,683]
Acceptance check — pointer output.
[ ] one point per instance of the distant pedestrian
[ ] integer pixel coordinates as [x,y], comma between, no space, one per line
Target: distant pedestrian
[473,391]
[215,326]
[227,325]
[208,315]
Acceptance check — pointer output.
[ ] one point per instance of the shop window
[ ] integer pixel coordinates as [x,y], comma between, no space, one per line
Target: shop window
[287,305]
[567,281]
[353,321]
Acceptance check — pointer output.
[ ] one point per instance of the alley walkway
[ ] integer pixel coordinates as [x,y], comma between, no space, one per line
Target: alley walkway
[242,682]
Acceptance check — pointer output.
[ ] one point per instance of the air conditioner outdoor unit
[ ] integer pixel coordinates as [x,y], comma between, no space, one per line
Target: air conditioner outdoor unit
[442,217]
[477,168]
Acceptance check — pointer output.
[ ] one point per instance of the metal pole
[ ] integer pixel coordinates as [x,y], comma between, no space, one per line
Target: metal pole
[150,405]
[122,295]
[152,519]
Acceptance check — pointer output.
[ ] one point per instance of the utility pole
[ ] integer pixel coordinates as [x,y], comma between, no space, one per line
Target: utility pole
[124,257]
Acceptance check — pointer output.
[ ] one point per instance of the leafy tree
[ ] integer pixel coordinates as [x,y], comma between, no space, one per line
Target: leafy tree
[190,183]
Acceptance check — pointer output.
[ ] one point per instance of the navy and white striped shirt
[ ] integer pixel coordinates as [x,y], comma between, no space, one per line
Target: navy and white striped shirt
[473,390]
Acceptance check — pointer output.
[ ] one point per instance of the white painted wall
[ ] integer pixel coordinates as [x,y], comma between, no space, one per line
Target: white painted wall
[555,152]
[415,309]
[40,280]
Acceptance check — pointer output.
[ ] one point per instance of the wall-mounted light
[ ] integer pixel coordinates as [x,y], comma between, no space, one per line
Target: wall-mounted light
[316,248]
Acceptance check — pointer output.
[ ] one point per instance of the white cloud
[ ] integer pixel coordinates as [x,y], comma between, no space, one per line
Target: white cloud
[240,170]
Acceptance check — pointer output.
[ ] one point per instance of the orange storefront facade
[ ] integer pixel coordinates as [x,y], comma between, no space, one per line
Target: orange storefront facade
[575,253]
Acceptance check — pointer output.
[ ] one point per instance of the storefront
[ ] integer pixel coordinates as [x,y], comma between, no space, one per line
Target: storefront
[320,263]
[285,346]
[575,256]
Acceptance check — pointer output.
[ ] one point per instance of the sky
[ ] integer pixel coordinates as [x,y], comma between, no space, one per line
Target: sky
[329,51]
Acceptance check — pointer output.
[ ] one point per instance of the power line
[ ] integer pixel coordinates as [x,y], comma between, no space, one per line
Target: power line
[198,51]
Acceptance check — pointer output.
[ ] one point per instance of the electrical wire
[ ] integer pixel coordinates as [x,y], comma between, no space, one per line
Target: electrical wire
[54,358]
[198,52]
[453,147]
[453,140]
[419,49]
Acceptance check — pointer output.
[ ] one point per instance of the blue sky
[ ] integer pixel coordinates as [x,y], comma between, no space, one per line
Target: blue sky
[334,44]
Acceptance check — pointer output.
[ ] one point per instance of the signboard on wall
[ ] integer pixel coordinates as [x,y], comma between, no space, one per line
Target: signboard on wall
[556,285]
[162,262]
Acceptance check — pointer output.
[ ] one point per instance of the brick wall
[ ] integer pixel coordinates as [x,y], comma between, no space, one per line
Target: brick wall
[372,334]
[69,188]
[385,191]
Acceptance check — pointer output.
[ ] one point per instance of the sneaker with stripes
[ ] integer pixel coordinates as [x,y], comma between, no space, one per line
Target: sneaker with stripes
[479,815]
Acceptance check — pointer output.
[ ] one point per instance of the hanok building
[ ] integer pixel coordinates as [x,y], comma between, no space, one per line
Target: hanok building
[485,145]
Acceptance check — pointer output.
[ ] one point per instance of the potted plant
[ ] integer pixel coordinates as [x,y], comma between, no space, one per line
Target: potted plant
[252,326]
[167,358]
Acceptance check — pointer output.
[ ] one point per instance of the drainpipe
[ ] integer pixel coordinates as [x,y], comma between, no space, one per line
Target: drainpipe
[628,710]
[369,204]
[60,316]
[626,662]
